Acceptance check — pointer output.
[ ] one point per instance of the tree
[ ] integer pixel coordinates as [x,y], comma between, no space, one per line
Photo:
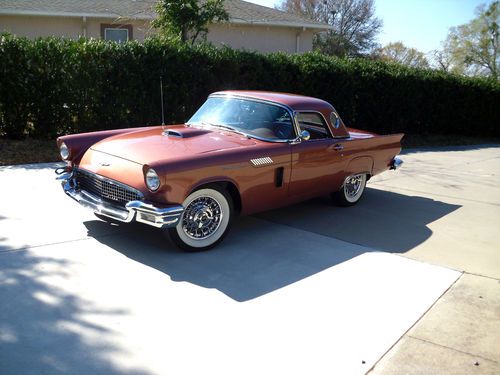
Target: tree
[305,8]
[399,53]
[441,59]
[188,19]
[354,25]
[472,48]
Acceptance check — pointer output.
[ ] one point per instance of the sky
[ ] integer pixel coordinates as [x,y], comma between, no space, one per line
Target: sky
[421,24]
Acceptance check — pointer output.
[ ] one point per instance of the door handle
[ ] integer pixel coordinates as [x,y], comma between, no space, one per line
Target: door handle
[338,147]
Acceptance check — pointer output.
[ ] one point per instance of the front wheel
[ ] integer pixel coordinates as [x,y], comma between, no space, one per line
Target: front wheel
[351,191]
[205,221]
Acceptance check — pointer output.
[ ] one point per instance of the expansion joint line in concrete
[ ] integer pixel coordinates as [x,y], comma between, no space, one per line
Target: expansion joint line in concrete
[450,348]
[369,249]
[394,189]
[42,245]
[59,243]
[479,275]
[413,325]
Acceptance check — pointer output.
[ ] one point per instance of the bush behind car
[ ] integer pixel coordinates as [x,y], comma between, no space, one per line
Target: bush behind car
[53,86]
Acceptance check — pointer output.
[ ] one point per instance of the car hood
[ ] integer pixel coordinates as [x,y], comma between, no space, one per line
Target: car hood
[176,142]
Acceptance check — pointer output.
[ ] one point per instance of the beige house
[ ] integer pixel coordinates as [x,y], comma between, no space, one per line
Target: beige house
[251,27]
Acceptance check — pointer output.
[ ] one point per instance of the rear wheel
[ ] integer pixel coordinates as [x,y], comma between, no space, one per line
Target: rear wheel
[205,221]
[351,191]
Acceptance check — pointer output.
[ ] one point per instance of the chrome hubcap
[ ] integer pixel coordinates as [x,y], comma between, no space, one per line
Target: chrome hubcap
[202,218]
[353,185]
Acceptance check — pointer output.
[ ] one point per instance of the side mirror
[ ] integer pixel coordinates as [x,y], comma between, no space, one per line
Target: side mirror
[305,135]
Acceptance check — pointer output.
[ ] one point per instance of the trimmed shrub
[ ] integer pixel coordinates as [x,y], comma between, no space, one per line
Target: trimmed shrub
[52,86]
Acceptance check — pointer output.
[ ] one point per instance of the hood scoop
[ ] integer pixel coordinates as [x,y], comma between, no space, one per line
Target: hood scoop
[172,133]
[183,132]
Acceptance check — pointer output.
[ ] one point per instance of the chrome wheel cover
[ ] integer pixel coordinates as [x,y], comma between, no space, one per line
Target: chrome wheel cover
[353,185]
[201,218]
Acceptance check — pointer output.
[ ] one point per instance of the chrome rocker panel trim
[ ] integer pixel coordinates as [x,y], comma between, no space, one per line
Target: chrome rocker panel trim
[396,163]
[139,211]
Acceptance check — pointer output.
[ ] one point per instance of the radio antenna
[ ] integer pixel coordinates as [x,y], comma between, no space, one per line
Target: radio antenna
[161,95]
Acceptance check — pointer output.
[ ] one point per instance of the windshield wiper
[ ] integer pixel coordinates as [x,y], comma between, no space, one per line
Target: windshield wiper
[226,127]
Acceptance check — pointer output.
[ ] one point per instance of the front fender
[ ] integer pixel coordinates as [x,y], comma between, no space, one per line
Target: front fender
[212,180]
[78,144]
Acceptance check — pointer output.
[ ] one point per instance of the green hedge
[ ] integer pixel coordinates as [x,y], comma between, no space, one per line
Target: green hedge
[54,86]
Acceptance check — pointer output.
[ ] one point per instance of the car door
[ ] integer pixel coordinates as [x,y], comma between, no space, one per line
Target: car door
[317,162]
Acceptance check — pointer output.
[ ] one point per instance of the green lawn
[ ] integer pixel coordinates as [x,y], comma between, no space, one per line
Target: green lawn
[27,151]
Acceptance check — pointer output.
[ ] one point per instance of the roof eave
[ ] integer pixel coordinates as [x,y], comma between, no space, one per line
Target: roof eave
[10,12]
[298,25]
[146,17]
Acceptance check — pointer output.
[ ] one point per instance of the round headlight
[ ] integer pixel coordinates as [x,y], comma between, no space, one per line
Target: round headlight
[64,151]
[152,180]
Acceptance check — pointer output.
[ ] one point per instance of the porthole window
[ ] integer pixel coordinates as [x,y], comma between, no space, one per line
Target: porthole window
[335,120]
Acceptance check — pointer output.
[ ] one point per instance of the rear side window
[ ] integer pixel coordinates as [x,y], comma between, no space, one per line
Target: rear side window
[314,124]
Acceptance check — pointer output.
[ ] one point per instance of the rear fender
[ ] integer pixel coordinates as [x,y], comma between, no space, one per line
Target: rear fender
[361,164]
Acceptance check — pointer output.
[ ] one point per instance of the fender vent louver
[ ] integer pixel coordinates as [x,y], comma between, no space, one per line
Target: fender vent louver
[261,162]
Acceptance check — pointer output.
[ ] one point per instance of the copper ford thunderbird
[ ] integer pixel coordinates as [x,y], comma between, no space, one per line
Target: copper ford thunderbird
[242,152]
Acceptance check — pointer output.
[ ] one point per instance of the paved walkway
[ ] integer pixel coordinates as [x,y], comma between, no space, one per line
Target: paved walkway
[306,289]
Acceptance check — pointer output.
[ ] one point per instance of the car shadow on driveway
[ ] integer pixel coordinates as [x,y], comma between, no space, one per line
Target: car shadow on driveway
[268,251]
[382,220]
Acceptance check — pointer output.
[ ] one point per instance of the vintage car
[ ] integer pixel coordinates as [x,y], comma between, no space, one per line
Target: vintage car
[242,152]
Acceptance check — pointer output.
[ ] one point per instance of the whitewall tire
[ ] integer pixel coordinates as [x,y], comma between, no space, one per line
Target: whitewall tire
[205,221]
[351,191]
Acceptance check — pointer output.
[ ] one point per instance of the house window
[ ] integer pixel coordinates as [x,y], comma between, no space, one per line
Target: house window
[116,33]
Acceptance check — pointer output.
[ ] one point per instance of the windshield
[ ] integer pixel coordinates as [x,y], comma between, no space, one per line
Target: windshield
[253,118]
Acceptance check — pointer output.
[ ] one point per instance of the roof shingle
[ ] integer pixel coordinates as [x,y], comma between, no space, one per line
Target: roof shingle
[239,11]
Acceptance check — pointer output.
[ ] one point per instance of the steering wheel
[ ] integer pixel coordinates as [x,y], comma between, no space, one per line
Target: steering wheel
[282,130]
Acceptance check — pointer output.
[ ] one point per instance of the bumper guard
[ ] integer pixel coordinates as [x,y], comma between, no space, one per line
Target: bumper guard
[396,163]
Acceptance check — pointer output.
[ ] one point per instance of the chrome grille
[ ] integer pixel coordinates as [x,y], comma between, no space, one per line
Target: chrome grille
[106,188]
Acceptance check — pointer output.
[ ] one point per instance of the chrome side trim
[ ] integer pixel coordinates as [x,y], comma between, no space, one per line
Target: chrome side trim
[396,163]
[143,212]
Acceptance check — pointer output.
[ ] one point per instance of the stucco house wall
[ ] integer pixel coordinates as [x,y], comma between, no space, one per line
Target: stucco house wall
[67,27]
[251,27]
[261,38]
[249,37]
[33,27]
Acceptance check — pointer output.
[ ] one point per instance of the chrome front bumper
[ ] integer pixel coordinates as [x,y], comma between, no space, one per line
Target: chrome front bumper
[143,212]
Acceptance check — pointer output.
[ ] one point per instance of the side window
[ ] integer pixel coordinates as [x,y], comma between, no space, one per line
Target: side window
[314,124]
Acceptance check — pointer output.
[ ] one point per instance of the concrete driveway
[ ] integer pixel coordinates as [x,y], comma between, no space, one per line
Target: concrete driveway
[405,282]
